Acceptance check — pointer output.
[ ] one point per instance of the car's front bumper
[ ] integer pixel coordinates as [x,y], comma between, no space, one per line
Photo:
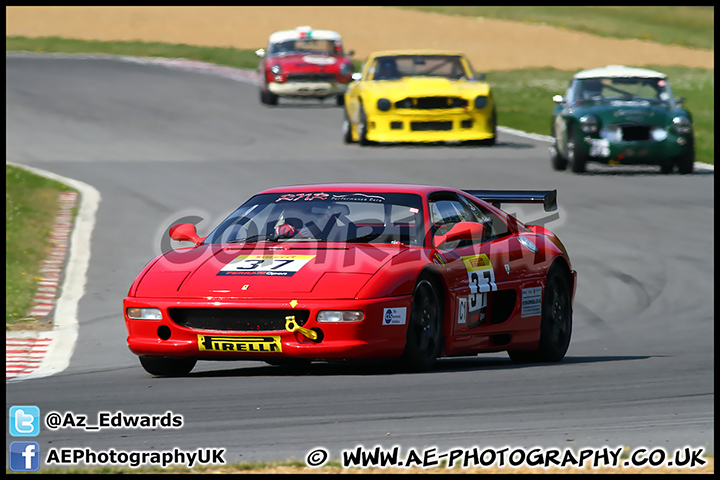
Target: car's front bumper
[307,89]
[372,337]
[647,152]
[412,126]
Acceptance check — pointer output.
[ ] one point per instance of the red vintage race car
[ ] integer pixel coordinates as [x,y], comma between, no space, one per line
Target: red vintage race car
[329,272]
[304,63]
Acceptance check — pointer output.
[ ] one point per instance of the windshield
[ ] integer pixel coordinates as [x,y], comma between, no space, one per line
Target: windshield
[353,217]
[624,88]
[398,66]
[305,46]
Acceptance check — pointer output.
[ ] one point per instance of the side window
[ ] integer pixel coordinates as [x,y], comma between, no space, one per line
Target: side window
[448,209]
[494,226]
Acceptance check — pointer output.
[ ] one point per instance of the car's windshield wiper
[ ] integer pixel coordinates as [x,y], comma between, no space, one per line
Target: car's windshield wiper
[256,237]
[275,238]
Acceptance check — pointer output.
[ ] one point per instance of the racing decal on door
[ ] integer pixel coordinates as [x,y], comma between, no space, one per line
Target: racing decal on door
[462,310]
[266,265]
[482,280]
[394,316]
[531,302]
[226,343]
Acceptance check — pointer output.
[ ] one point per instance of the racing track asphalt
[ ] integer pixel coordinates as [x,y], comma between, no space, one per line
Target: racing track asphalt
[160,145]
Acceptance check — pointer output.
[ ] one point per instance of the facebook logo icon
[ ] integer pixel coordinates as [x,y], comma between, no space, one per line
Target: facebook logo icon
[24,456]
[24,421]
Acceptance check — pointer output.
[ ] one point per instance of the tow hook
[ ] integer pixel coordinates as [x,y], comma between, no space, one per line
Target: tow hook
[292,326]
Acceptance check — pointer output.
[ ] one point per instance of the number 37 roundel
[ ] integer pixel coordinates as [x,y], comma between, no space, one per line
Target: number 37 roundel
[481,277]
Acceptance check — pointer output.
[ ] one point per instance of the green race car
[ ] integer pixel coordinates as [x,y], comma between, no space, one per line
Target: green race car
[619,115]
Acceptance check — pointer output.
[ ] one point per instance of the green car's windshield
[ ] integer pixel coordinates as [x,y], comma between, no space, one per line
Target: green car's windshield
[352,217]
[621,88]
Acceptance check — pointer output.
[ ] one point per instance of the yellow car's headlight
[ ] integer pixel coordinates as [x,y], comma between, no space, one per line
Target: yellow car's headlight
[481,101]
[384,104]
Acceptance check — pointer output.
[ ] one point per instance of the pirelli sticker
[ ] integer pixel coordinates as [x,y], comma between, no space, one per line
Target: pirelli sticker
[265,265]
[250,344]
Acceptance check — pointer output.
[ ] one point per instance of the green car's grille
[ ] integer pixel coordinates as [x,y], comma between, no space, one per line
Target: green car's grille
[635,133]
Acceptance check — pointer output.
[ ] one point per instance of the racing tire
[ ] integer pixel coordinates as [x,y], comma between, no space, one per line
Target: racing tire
[686,161]
[268,98]
[558,163]
[667,167]
[489,142]
[362,129]
[556,160]
[577,159]
[555,322]
[424,337]
[340,100]
[167,366]
[347,128]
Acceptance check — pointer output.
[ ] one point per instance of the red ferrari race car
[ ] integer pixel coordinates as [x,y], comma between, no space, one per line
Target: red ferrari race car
[407,273]
[304,63]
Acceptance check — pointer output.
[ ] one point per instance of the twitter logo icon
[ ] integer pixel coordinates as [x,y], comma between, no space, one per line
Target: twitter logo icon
[24,421]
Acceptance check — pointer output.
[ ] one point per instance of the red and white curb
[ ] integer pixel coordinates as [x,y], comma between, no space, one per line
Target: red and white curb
[23,354]
[34,354]
[25,351]
[51,267]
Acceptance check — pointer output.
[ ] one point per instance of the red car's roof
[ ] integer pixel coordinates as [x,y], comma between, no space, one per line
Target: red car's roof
[366,187]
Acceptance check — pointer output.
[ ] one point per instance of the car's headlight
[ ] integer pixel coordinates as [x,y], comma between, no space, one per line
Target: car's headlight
[612,133]
[276,69]
[384,104]
[346,69]
[144,313]
[340,316]
[682,125]
[658,134]
[481,101]
[589,124]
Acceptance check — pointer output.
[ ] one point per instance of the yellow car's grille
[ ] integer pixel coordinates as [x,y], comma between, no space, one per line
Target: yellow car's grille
[430,126]
[430,103]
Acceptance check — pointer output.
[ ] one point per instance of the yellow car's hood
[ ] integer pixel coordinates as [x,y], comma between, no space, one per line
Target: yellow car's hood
[427,87]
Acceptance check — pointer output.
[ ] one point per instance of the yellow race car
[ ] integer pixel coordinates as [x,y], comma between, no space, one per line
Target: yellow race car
[419,96]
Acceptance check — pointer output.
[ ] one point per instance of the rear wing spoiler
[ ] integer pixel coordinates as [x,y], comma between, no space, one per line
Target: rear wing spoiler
[496,197]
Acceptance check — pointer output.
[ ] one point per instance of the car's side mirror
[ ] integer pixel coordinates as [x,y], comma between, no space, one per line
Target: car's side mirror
[350,53]
[260,52]
[461,231]
[680,100]
[185,232]
[356,76]
[558,99]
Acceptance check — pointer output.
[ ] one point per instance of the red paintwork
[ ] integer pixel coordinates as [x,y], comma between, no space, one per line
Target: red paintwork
[296,64]
[379,276]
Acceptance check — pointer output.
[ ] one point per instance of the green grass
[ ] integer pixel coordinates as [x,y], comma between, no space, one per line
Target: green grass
[222,56]
[684,26]
[31,203]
